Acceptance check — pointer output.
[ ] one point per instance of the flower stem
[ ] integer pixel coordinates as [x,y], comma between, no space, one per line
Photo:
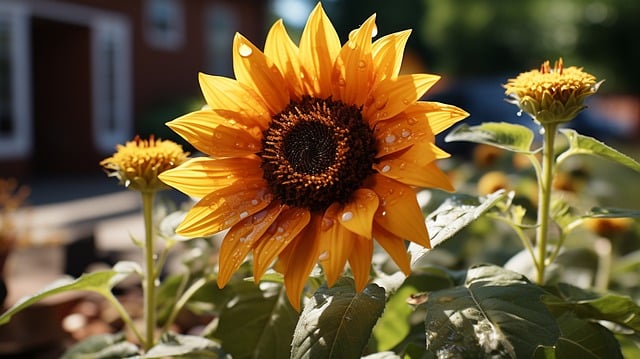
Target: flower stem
[123,313]
[149,285]
[544,205]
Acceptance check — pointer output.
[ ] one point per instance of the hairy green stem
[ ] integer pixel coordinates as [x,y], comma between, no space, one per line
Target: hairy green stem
[544,199]
[149,286]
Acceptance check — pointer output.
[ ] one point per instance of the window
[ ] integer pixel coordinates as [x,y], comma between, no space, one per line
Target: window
[112,88]
[164,23]
[221,22]
[15,117]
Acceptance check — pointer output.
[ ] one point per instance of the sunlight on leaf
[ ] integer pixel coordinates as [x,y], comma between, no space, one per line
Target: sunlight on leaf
[584,145]
[394,324]
[496,313]
[256,321]
[337,322]
[99,282]
[508,136]
[454,214]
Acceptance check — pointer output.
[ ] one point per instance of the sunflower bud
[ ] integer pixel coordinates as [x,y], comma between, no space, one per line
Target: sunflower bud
[138,163]
[551,95]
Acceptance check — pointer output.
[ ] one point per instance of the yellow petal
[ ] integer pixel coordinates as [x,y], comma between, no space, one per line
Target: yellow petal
[200,176]
[227,94]
[440,116]
[215,135]
[411,170]
[253,69]
[393,245]
[225,207]
[360,261]
[392,96]
[399,212]
[336,243]
[283,230]
[319,47]
[303,256]
[354,66]
[401,132]
[285,55]
[240,239]
[387,54]
[357,215]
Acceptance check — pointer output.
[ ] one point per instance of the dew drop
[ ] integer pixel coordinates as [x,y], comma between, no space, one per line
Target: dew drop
[519,113]
[244,50]
[381,102]
[406,133]
[347,216]
[244,215]
[406,101]
[280,229]
[323,256]
[362,64]
[254,202]
[383,214]
[391,138]
[385,169]
[374,31]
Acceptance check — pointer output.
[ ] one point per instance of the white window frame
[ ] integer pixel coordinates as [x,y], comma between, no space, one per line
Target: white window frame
[111,124]
[18,144]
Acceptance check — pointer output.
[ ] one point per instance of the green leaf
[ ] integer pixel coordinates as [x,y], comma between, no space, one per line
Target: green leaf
[585,145]
[586,304]
[601,212]
[451,216]
[102,346]
[382,355]
[99,282]
[495,313]
[337,322]
[394,325]
[185,346]
[256,323]
[509,136]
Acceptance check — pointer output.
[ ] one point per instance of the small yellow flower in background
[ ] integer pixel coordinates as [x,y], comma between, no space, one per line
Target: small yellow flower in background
[138,163]
[314,152]
[492,181]
[608,227]
[552,95]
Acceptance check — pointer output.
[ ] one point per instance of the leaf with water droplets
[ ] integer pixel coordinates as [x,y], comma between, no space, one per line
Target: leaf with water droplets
[453,215]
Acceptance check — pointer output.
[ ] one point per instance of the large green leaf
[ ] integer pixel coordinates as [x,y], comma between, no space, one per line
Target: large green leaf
[509,136]
[496,313]
[586,304]
[173,345]
[102,346]
[337,322]
[451,216]
[255,322]
[100,282]
[585,145]
[581,339]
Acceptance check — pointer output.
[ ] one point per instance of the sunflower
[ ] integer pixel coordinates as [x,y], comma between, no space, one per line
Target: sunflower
[313,153]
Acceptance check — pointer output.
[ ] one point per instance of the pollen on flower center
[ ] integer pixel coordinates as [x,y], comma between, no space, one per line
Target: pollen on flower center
[316,152]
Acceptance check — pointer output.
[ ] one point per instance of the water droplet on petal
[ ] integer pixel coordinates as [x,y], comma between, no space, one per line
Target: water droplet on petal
[244,50]
[519,113]
[347,216]
[323,256]
[385,169]
[381,102]
[391,138]
[374,31]
[254,202]
[362,64]
[405,133]
[244,215]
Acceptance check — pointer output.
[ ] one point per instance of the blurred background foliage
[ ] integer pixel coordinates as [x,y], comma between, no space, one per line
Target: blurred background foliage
[464,38]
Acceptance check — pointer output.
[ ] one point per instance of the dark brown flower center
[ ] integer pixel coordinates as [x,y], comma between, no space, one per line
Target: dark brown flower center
[316,152]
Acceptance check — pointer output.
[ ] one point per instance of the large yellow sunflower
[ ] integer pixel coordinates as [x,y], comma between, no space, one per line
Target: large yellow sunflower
[314,152]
